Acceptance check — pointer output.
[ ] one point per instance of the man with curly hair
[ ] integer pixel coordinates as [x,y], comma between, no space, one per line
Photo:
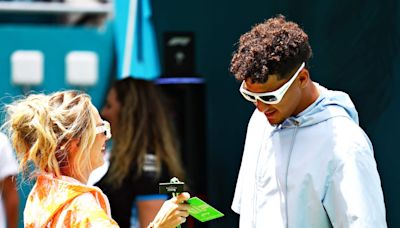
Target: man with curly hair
[306,161]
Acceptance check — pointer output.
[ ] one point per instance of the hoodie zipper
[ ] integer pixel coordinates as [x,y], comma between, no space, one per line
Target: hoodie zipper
[296,123]
[254,223]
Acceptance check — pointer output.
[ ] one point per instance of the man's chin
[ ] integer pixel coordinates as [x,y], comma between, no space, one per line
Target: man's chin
[271,120]
[274,122]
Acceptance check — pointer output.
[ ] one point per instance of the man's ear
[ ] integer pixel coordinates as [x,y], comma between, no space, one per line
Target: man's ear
[304,77]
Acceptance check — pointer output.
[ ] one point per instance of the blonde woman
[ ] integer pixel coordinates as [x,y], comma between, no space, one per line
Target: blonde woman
[144,150]
[63,136]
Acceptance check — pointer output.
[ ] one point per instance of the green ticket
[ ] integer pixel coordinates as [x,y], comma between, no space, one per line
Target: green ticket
[202,211]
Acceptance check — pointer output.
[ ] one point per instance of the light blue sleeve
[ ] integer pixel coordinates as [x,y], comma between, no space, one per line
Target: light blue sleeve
[354,195]
[245,184]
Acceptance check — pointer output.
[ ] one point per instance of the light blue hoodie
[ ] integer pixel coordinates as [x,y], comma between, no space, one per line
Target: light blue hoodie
[316,169]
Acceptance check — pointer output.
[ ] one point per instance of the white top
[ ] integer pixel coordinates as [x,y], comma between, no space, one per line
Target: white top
[8,167]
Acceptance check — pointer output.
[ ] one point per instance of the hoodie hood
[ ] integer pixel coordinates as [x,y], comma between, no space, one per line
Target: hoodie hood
[328,105]
[50,196]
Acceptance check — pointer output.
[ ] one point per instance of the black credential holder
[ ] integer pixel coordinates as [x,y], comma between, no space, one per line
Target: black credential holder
[173,187]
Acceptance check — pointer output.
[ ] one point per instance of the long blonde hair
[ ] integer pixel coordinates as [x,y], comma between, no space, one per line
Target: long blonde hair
[143,126]
[42,126]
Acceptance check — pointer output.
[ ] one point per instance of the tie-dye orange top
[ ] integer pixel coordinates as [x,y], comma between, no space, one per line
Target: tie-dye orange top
[65,202]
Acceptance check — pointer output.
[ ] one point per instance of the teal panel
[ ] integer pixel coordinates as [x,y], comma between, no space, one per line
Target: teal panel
[55,43]
[144,62]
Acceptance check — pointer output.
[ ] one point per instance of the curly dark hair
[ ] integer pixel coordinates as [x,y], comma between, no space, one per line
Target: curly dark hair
[276,46]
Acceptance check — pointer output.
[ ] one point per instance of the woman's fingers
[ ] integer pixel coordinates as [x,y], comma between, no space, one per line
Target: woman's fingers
[181,197]
[183,207]
[180,220]
[173,212]
[182,213]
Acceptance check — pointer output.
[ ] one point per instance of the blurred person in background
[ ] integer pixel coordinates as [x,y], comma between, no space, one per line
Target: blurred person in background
[63,136]
[9,199]
[144,150]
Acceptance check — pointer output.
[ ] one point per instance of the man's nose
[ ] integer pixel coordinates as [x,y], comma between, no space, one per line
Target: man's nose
[262,107]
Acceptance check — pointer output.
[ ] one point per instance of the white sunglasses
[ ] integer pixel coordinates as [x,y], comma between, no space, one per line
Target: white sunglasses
[273,97]
[105,128]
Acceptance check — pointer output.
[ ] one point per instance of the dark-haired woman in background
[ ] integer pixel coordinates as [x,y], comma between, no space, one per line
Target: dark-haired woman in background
[144,150]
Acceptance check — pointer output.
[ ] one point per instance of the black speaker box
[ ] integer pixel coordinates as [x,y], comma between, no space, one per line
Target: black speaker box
[179,59]
[187,105]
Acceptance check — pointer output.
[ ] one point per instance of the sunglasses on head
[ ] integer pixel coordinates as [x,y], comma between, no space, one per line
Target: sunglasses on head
[104,128]
[273,97]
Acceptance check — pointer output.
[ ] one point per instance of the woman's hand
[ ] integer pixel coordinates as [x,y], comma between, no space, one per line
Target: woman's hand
[172,213]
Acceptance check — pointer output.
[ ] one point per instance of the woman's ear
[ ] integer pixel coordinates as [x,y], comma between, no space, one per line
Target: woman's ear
[74,144]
